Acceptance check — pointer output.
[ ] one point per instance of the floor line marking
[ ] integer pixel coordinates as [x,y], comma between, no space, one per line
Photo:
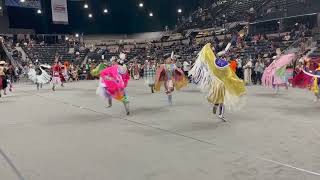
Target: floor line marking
[11,164]
[289,166]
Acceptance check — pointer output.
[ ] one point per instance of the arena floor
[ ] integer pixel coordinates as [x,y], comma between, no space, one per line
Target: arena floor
[71,135]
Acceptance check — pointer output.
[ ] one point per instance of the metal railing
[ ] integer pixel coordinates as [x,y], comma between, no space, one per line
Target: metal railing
[10,57]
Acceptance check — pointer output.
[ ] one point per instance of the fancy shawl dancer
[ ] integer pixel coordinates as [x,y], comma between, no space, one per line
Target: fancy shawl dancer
[277,74]
[150,74]
[316,83]
[136,70]
[301,79]
[309,75]
[215,77]
[57,77]
[3,78]
[113,83]
[38,75]
[64,72]
[171,76]
[307,64]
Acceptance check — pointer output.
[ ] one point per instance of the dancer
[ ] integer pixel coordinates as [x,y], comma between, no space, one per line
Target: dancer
[56,75]
[276,75]
[136,70]
[113,83]
[64,72]
[149,74]
[302,79]
[215,77]
[316,83]
[309,75]
[171,76]
[38,75]
[3,78]
[9,81]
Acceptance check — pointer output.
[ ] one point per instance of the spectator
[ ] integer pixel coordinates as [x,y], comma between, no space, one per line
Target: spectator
[239,71]
[259,68]
[248,72]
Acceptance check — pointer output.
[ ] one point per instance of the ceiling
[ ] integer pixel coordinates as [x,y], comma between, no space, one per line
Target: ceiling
[124,16]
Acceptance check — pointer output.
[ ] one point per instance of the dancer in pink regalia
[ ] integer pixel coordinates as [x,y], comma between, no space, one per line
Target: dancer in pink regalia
[276,74]
[113,83]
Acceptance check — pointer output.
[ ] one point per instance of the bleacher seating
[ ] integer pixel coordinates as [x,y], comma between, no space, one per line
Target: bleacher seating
[46,53]
[223,12]
[249,48]
[285,8]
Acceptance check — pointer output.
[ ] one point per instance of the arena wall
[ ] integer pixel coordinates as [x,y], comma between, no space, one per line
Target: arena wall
[112,39]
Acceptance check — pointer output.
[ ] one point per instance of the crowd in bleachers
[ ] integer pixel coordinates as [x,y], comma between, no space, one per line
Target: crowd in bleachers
[219,13]
[222,12]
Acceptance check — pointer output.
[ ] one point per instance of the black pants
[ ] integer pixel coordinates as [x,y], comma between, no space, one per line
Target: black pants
[239,73]
[254,77]
[258,77]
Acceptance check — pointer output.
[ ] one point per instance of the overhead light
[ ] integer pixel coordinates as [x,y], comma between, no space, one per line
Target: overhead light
[90,15]
[39,11]
[141,5]
[179,10]
[22,1]
[296,24]
[67,38]
[105,11]
[86,6]
[77,35]
[151,14]
[0,7]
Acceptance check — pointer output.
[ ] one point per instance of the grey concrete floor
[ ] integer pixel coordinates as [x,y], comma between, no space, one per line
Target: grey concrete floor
[71,135]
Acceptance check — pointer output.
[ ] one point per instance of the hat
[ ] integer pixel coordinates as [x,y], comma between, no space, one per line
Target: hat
[2,62]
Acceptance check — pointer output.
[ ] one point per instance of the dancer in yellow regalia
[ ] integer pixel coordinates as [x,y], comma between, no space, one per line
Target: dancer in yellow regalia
[215,77]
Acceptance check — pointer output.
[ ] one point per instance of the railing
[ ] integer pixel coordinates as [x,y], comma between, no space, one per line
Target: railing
[85,59]
[12,60]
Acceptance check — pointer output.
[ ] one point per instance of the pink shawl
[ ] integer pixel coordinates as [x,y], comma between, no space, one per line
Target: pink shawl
[269,77]
[115,79]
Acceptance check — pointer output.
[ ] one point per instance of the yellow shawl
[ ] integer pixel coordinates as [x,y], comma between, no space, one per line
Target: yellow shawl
[232,83]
